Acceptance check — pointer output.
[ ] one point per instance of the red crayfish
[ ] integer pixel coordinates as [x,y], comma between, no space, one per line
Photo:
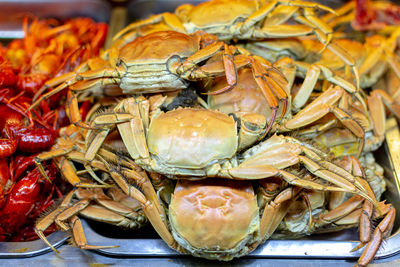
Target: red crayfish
[50,48]
[28,195]
[371,15]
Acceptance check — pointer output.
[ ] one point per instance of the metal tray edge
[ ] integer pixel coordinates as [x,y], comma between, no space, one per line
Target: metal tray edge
[31,248]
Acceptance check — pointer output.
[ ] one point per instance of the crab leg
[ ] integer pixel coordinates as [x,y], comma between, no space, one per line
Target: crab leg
[44,223]
[66,166]
[284,152]
[275,211]
[375,103]
[321,28]
[133,132]
[186,68]
[321,106]
[79,235]
[150,208]
[109,211]
[341,214]
[265,171]
[364,216]
[98,213]
[272,26]
[340,14]
[170,19]
[279,15]
[328,74]
[382,230]
[257,16]
[129,125]
[306,88]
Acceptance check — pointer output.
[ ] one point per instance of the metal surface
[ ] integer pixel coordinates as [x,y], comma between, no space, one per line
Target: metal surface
[72,256]
[31,248]
[12,12]
[334,245]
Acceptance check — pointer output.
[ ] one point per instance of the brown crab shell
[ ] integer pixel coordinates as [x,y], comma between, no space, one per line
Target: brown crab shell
[214,218]
[192,138]
[217,13]
[245,97]
[158,47]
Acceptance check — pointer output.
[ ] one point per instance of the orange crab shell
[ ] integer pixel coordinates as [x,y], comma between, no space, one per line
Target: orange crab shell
[214,215]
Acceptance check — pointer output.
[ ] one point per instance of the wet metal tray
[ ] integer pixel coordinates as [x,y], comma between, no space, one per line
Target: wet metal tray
[31,248]
[145,242]
[12,13]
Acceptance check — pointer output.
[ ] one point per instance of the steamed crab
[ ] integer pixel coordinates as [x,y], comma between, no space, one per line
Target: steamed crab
[113,208]
[372,58]
[332,108]
[240,19]
[94,196]
[266,160]
[161,150]
[166,61]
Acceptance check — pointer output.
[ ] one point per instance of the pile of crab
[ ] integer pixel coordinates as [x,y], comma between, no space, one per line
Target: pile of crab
[226,124]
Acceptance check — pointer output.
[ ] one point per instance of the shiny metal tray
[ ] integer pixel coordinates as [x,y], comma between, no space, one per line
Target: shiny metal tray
[31,248]
[337,245]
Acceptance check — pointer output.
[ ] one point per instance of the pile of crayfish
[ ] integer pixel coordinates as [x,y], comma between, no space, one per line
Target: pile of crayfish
[49,49]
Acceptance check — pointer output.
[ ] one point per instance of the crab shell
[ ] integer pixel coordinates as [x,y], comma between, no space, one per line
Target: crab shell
[245,97]
[215,16]
[330,59]
[215,219]
[149,56]
[206,136]
[275,49]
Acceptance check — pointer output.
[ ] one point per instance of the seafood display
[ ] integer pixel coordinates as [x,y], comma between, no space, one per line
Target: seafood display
[222,125]
[49,49]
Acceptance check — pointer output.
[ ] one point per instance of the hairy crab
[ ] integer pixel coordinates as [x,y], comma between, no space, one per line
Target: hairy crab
[241,230]
[161,150]
[332,108]
[88,198]
[114,207]
[241,19]
[165,61]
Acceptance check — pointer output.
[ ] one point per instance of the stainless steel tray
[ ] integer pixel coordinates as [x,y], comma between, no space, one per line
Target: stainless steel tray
[12,12]
[31,248]
[334,245]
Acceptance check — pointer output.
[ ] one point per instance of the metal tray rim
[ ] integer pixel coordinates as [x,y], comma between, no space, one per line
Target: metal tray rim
[31,248]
